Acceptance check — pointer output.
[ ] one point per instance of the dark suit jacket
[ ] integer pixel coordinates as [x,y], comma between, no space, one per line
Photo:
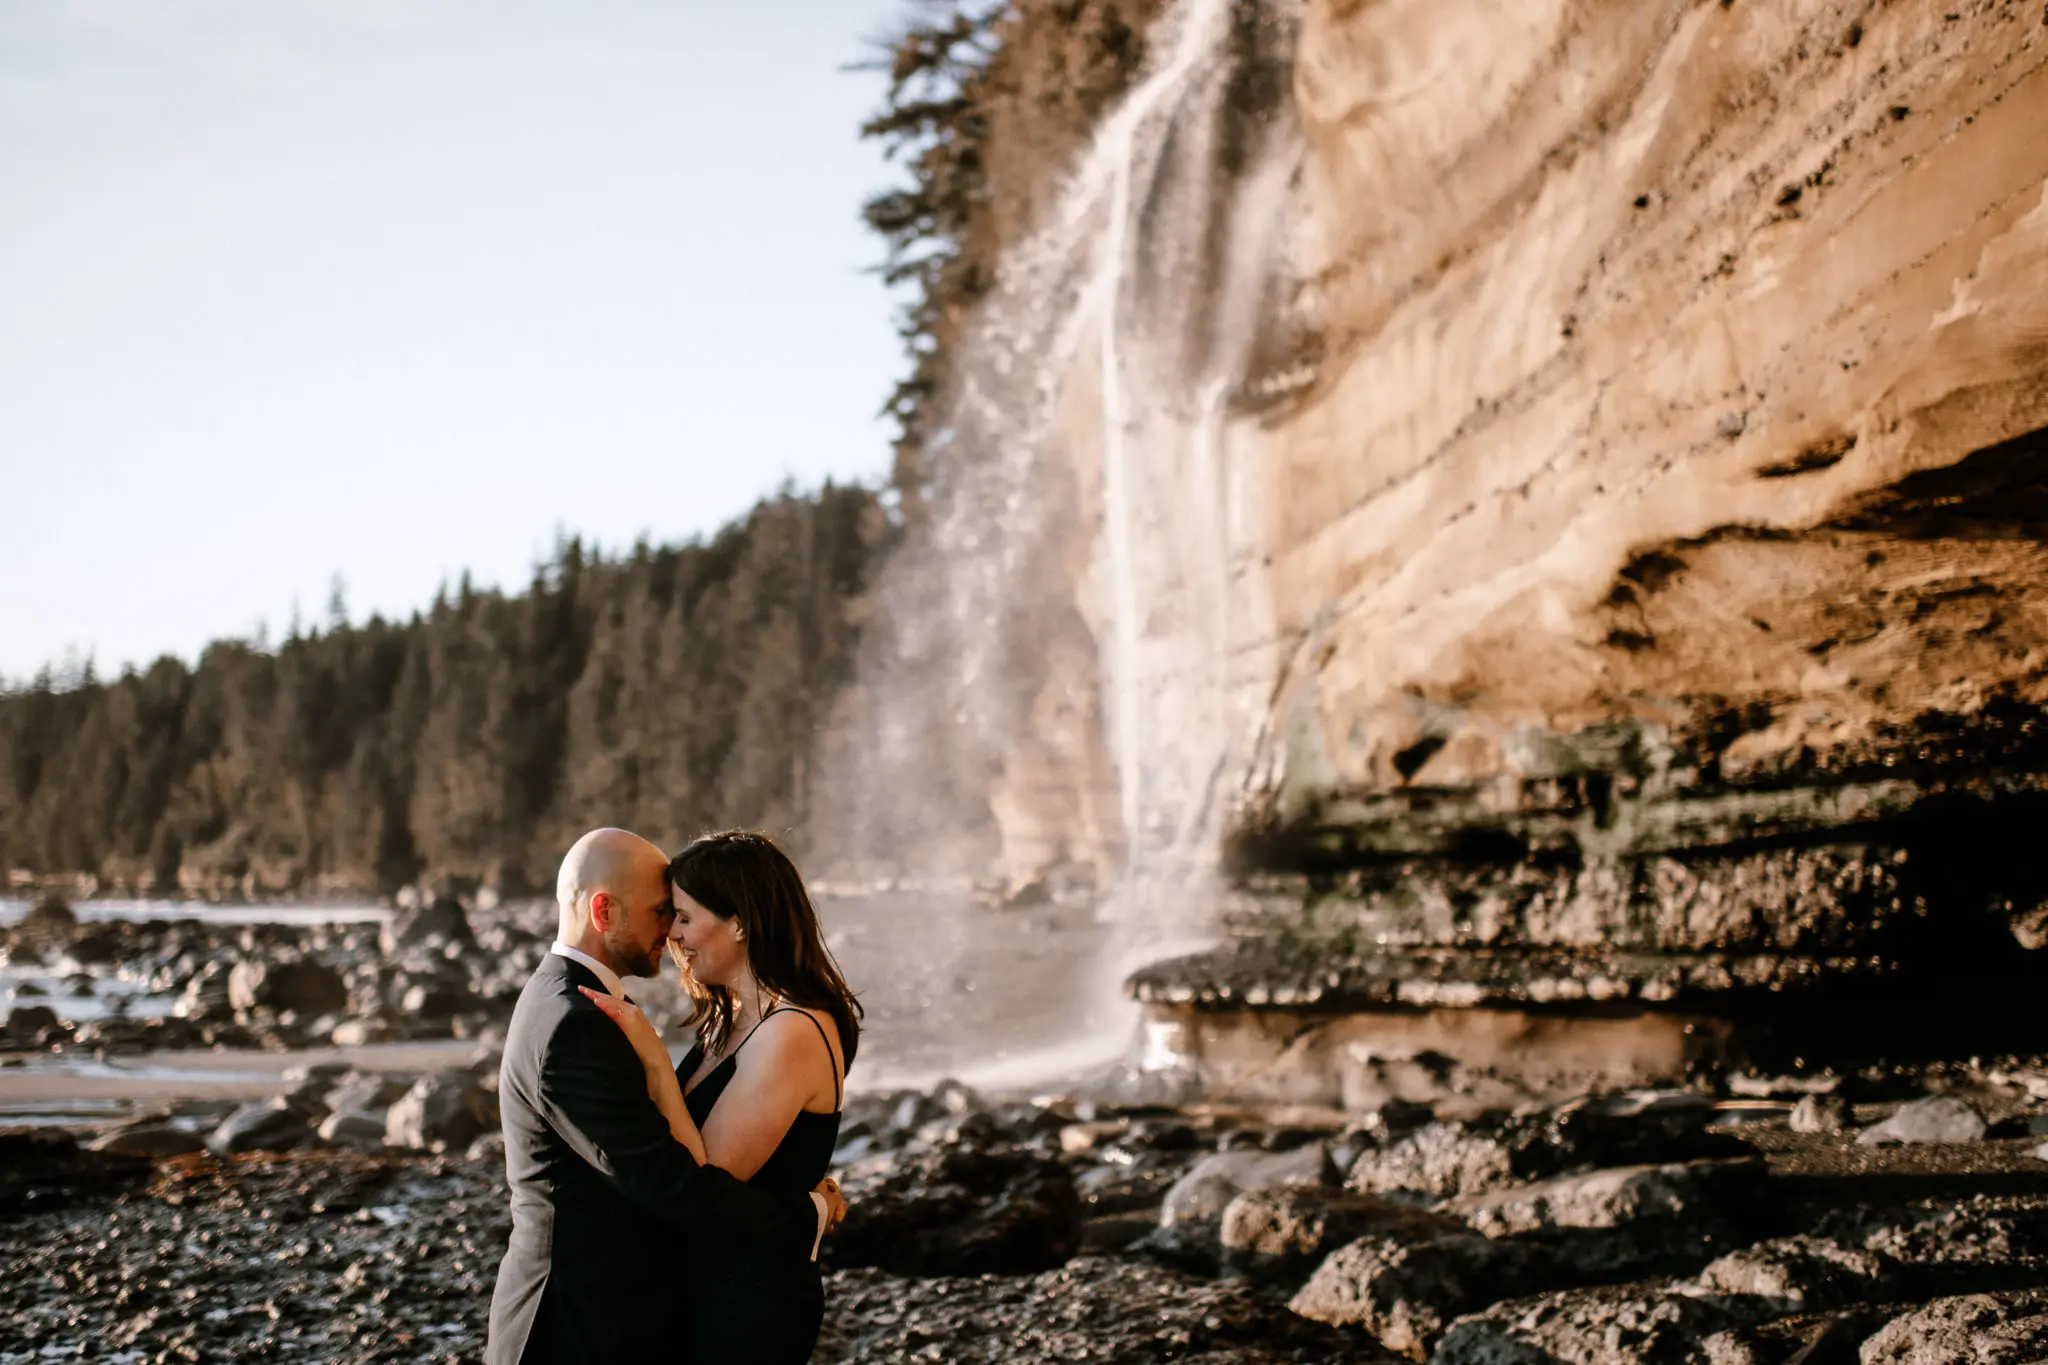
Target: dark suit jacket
[608,1210]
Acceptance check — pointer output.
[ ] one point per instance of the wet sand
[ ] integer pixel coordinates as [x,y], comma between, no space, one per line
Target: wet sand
[202,1074]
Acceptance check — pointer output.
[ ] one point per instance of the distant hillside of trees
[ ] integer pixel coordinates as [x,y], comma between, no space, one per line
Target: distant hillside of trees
[669,690]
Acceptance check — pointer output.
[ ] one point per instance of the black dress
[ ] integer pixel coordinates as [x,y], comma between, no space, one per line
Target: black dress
[768,1314]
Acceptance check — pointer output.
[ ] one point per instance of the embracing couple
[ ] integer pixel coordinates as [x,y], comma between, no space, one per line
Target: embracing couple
[659,1215]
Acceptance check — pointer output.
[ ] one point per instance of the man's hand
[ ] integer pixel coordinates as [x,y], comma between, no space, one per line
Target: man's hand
[835,1202]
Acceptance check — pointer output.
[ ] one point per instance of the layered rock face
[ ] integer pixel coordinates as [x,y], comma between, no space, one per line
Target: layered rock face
[1654,518]
[1678,358]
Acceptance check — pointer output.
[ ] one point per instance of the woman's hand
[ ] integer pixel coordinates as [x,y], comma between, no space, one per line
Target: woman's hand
[662,1086]
[639,1032]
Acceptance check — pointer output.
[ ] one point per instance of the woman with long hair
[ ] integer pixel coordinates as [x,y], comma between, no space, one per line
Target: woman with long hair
[759,1093]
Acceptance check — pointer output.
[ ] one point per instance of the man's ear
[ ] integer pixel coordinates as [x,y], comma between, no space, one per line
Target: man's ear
[603,906]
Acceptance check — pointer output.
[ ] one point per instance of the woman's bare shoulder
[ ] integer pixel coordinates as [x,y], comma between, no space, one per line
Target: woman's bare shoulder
[788,1020]
[786,1046]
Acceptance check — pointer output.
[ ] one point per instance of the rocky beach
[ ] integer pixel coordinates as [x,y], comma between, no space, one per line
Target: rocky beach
[1890,1213]
[1499,548]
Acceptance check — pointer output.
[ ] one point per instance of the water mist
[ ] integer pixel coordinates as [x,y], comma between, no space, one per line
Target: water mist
[1082,646]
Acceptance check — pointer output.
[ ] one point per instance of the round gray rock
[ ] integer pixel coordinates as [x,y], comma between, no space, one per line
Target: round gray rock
[1215,1180]
[1938,1118]
[443,1111]
[1819,1114]
[262,1126]
[1278,1234]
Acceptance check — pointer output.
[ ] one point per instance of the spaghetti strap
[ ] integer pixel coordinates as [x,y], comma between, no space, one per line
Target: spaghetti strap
[838,1091]
[838,1097]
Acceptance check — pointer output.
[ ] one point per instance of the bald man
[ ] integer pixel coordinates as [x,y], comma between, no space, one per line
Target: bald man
[609,1210]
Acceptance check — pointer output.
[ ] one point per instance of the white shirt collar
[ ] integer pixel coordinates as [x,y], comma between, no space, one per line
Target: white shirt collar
[610,978]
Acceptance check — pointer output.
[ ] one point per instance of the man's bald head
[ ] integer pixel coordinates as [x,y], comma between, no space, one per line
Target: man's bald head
[611,885]
[613,860]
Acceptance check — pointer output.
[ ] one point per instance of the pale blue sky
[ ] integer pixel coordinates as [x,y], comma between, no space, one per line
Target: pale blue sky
[394,288]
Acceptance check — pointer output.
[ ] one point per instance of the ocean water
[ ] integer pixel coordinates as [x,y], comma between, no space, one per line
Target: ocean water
[1006,998]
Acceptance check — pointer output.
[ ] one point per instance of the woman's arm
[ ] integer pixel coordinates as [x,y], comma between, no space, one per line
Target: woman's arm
[662,1086]
[781,1069]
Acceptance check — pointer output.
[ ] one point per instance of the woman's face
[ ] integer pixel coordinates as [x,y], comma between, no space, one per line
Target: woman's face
[711,946]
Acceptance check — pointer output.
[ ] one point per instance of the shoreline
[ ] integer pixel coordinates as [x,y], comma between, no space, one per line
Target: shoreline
[1650,1228]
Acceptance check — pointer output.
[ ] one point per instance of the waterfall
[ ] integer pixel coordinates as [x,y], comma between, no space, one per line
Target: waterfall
[1079,648]
[1186,256]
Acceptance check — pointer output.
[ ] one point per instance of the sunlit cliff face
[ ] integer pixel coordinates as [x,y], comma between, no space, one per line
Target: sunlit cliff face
[1647,331]
[1395,392]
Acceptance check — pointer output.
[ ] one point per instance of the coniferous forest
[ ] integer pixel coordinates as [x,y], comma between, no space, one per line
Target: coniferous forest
[668,690]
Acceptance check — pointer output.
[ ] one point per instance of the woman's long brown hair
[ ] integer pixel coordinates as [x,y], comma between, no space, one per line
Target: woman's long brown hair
[741,872]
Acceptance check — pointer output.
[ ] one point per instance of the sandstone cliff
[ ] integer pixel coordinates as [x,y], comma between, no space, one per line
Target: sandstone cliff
[1648,328]
[1654,535]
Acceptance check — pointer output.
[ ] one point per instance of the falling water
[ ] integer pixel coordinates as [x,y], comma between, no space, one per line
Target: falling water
[1175,323]
[1172,227]
[1079,650]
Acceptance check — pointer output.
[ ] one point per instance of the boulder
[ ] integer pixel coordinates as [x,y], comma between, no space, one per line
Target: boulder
[1405,1292]
[32,1025]
[359,1032]
[958,1098]
[1077,1139]
[962,1210]
[1798,1274]
[205,996]
[1938,1118]
[44,1169]
[95,947]
[113,1034]
[1442,1160]
[1979,1329]
[310,1086]
[261,1126]
[360,1129]
[1448,1159]
[49,923]
[1614,1198]
[437,997]
[912,1112]
[1394,1120]
[364,1091]
[1139,1184]
[1819,1114]
[1278,1235]
[439,922]
[1636,1127]
[1629,1325]
[304,985]
[155,1138]
[442,1111]
[1217,1179]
